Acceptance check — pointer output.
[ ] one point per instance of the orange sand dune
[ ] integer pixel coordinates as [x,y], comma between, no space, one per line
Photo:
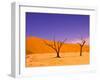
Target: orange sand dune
[39,54]
[37,45]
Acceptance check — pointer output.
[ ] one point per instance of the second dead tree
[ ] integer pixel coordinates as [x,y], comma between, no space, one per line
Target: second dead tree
[81,46]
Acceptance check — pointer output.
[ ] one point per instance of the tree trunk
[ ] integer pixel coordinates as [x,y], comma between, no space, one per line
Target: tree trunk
[81,51]
[58,56]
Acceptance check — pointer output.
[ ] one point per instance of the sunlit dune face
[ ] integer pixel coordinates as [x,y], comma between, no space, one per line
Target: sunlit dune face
[38,54]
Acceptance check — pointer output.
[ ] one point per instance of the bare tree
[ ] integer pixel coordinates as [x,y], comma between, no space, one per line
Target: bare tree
[56,46]
[81,45]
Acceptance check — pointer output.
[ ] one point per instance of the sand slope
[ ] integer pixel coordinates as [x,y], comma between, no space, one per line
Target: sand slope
[37,45]
[39,54]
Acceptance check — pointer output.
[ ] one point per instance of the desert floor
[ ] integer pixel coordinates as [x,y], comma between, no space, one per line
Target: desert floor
[49,59]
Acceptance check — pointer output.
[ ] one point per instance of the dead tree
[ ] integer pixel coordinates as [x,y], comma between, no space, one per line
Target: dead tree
[81,45]
[56,46]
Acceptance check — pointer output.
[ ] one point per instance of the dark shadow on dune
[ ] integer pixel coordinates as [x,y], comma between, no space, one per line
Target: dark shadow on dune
[29,52]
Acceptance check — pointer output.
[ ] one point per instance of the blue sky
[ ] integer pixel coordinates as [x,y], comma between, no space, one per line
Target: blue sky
[46,25]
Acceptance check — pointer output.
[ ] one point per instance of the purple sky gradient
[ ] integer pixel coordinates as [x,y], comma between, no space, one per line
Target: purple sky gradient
[46,25]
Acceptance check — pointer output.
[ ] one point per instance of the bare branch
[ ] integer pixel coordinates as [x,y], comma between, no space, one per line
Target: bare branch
[54,42]
[50,45]
[61,43]
[56,45]
[83,42]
